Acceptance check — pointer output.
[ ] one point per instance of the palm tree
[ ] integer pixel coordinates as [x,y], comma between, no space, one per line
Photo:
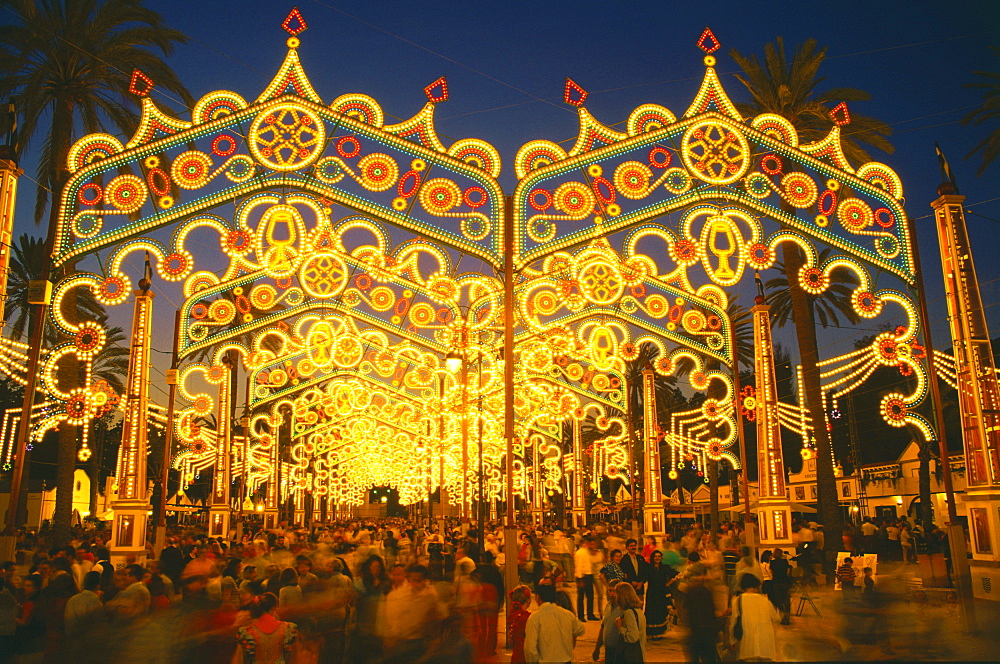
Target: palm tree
[828,307]
[788,88]
[67,66]
[27,263]
[988,112]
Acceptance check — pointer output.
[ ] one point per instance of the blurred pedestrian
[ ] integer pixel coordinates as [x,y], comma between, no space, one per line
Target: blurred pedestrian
[551,631]
[411,612]
[751,622]
[702,621]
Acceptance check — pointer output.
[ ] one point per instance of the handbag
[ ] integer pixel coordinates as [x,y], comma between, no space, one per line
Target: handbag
[738,627]
[631,653]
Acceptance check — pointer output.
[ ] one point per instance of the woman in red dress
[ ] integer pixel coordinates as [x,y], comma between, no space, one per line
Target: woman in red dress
[520,598]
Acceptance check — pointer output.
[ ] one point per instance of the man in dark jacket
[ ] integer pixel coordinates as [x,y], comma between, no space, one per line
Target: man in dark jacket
[635,567]
[172,562]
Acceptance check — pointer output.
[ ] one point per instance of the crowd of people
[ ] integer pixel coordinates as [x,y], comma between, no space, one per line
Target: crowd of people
[390,591]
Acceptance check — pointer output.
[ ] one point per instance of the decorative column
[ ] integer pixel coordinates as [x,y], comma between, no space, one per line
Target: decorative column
[220,511]
[131,502]
[652,487]
[978,393]
[538,492]
[273,490]
[9,173]
[578,482]
[774,512]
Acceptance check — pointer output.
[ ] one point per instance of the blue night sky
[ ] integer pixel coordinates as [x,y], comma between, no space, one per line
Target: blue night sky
[506,64]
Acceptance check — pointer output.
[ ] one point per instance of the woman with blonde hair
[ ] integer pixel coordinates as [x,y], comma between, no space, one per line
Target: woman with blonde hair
[631,625]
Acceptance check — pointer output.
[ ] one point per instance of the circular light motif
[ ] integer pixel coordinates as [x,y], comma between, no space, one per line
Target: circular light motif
[440,195]
[715,152]
[760,255]
[191,170]
[659,157]
[475,228]
[87,225]
[575,199]
[323,275]
[348,147]
[799,190]
[814,280]
[677,181]
[90,194]
[223,145]
[287,137]
[757,185]
[601,282]
[126,192]
[540,199]
[855,215]
[379,172]
[632,179]
[89,337]
[771,164]
[113,290]
[894,410]
[867,305]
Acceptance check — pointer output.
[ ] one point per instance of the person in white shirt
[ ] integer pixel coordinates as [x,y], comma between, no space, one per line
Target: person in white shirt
[551,631]
[84,610]
[584,572]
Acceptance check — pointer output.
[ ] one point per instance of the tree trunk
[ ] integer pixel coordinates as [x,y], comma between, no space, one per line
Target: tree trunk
[805,332]
[69,367]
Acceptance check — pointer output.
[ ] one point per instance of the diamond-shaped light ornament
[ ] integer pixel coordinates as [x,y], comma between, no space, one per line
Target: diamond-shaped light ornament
[573,94]
[839,115]
[437,91]
[140,85]
[294,23]
[707,42]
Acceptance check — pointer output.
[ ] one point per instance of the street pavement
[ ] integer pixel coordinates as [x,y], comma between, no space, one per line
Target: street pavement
[917,631]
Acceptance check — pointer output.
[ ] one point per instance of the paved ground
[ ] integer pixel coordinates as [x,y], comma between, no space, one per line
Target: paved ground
[930,631]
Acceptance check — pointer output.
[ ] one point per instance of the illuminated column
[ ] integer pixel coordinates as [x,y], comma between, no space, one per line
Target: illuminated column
[538,492]
[652,485]
[220,512]
[774,512]
[299,501]
[978,393]
[578,485]
[131,502]
[271,497]
[9,173]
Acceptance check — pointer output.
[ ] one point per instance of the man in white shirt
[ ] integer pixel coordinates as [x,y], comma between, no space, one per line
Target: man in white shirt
[134,600]
[551,631]
[84,610]
[584,571]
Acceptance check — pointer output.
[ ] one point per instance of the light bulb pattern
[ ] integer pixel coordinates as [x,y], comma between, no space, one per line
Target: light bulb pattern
[629,237]
[286,138]
[612,181]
